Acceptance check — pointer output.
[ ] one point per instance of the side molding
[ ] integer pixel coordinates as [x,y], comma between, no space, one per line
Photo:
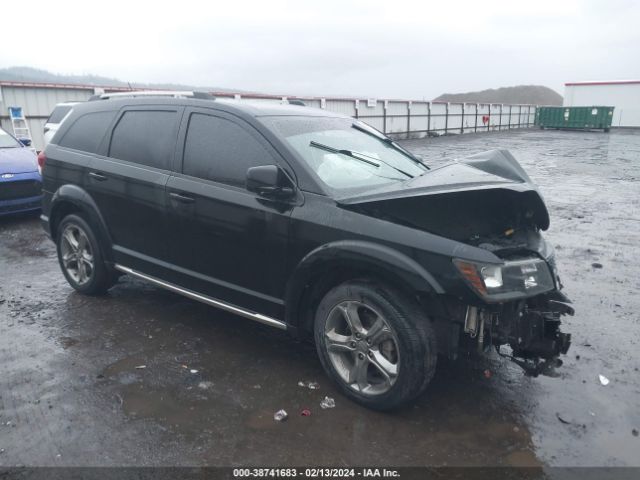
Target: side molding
[258,317]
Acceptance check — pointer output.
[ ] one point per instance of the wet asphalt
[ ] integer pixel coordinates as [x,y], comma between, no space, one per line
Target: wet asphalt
[145,377]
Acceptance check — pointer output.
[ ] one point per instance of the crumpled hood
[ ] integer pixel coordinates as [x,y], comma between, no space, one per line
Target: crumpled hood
[17,160]
[491,170]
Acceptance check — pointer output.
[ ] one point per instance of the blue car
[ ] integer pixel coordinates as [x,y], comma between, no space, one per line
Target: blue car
[20,179]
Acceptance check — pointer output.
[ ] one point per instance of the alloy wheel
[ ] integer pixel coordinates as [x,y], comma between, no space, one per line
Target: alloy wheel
[76,254]
[362,347]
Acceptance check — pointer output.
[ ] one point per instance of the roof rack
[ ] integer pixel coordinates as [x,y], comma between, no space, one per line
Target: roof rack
[155,93]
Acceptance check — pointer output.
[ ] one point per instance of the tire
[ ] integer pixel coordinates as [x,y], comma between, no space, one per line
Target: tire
[399,361]
[97,278]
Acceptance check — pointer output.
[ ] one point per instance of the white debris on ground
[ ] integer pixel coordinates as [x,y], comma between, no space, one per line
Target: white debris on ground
[327,402]
[310,385]
[280,416]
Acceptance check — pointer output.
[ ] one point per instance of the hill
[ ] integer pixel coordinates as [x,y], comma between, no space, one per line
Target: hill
[527,94]
[28,74]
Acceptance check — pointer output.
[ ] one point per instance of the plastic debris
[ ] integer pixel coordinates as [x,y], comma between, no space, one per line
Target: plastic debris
[327,402]
[280,416]
[603,380]
[596,265]
[193,370]
[306,412]
[205,385]
[140,367]
[487,373]
[309,385]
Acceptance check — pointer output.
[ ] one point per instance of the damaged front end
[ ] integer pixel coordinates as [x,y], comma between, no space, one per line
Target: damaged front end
[485,203]
[531,328]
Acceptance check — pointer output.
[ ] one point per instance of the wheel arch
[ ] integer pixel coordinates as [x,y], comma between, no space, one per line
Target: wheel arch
[337,262]
[69,199]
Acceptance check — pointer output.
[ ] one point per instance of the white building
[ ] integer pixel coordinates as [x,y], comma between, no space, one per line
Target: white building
[624,95]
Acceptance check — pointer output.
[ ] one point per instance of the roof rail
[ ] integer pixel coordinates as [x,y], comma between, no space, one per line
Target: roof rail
[154,93]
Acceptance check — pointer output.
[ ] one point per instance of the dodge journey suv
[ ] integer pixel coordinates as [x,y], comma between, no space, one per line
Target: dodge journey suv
[311,222]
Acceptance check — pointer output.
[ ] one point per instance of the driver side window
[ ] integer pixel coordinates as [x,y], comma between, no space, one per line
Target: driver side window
[220,150]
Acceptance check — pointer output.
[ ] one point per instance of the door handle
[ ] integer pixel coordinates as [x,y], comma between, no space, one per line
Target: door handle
[98,176]
[181,198]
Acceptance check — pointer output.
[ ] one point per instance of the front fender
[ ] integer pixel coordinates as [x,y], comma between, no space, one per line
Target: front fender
[358,255]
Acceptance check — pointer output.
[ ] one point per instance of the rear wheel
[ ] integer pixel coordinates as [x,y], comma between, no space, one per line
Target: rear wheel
[80,257]
[377,345]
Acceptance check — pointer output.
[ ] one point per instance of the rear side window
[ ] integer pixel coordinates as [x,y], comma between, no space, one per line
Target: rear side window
[59,113]
[87,131]
[220,150]
[146,137]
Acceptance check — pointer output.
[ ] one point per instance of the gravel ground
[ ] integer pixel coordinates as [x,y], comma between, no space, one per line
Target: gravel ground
[70,392]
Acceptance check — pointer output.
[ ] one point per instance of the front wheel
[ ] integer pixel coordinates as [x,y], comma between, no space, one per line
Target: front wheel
[376,344]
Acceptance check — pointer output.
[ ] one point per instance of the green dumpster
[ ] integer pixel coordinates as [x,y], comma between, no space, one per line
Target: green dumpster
[578,118]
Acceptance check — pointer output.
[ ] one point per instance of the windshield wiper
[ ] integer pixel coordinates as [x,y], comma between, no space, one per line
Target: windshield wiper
[388,141]
[348,153]
[363,157]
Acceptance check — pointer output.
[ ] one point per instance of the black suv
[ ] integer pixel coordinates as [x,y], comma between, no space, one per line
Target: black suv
[311,222]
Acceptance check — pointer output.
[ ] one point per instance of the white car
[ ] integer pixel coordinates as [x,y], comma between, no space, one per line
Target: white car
[60,112]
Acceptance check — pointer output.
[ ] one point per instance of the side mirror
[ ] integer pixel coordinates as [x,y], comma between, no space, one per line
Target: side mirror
[269,181]
[25,141]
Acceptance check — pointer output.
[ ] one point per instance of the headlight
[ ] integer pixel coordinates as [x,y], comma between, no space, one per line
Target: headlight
[508,281]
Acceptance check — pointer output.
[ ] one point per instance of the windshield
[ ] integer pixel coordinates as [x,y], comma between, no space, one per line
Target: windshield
[343,155]
[7,141]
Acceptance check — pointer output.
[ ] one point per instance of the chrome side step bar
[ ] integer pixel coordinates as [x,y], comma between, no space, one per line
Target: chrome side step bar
[258,317]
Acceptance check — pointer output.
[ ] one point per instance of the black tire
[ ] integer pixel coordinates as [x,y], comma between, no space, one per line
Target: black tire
[100,278]
[413,334]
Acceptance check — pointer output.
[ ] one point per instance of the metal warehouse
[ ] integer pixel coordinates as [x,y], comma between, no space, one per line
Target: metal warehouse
[400,118]
[624,95]
[37,100]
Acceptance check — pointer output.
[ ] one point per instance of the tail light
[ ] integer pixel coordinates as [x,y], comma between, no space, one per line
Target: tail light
[42,158]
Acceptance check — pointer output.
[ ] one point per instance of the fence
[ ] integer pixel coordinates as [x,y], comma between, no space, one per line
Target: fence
[414,119]
[397,118]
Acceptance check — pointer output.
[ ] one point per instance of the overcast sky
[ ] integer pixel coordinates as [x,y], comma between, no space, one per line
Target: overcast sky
[390,48]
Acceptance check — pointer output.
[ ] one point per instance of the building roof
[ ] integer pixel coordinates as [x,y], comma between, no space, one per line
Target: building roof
[71,86]
[602,82]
